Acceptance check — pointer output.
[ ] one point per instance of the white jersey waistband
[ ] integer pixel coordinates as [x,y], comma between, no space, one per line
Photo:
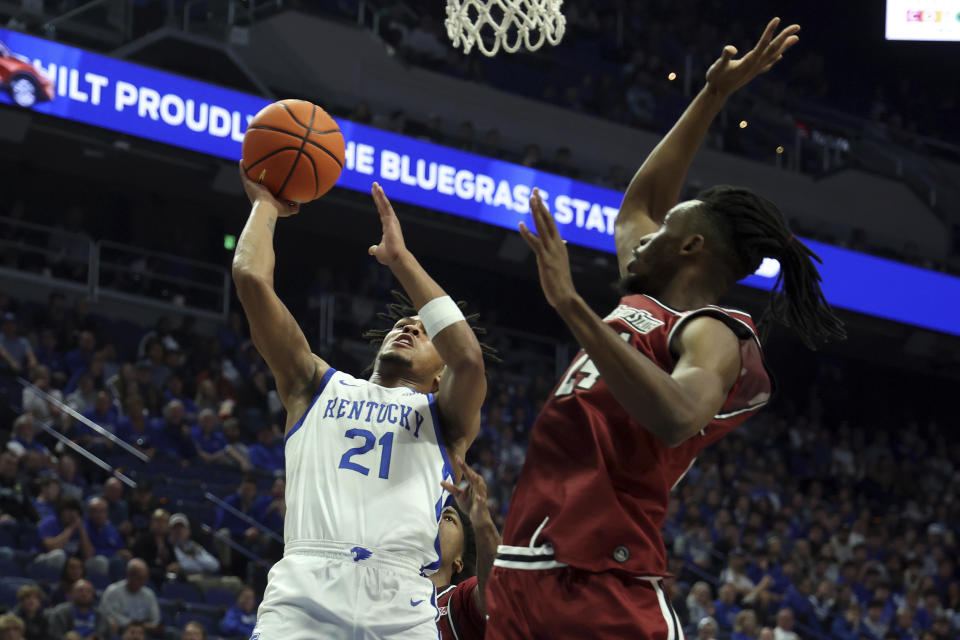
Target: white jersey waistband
[352,552]
[528,558]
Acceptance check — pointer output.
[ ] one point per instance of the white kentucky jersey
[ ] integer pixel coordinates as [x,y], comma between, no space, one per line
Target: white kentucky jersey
[364,466]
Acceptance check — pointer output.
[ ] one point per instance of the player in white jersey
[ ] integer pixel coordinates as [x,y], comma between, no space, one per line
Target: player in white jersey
[364,458]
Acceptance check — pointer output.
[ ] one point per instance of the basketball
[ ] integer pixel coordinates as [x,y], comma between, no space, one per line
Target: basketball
[295,149]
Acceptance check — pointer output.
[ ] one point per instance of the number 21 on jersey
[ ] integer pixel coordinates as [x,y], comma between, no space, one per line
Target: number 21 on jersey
[583,374]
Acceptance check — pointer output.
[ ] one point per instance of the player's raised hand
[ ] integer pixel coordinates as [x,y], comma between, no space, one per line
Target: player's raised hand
[471,493]
[256,192]
[551,251]
[391,245]
[726,75]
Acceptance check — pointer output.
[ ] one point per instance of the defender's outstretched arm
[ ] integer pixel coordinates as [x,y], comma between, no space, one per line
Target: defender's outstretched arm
[657,184]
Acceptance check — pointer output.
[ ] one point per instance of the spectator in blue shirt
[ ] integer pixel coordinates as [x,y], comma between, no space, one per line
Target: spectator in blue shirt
[104,537]
[243,501]
[49,355]
[744,626]
[103,412]
[207,437]
[241,617]
[118,512]
[134,428]
[269,510]
[174,391]
[78,359]
[25,437]
[46,502]
[848,626]
[267,454]
[725,607]
[798,599]
[63,535]
[240,530]
[174,433]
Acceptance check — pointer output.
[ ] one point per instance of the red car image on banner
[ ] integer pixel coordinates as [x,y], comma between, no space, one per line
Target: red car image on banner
[26,84]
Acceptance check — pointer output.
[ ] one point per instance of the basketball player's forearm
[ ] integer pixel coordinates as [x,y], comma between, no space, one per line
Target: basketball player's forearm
[488,539]
[657,184]
[643,389]
[254,256]
[456,344]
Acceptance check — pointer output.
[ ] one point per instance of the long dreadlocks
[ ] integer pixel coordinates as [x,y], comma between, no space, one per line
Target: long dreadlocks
[755,229]
[402,307]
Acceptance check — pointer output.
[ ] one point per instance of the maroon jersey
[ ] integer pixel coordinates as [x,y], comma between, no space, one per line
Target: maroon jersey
[595,475]
[459,617]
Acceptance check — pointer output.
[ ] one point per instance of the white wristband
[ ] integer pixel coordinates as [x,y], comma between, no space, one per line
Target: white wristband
[438,314]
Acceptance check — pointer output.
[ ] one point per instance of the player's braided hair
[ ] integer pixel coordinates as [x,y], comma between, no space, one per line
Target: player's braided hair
[754,229]
[402,307]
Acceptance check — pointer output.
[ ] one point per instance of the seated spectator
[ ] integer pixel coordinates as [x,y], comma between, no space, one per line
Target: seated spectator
[707,629]
[80,614]
[174,391]
[16,354]
[872,622]
[153,547]
[130,600]
[48,356]
[230,525]
[193,562]
[207,396]
[134,631]
[84,396]
[118,513]
[25,437]
[236,451]
[72,484]
[64,535]
[15,506]
[174,433]
[30,610]
[34,402]
[106,540]
[725,607]
[78,359]
[45,503]
[207,438]
[766,633]
[134,429]
[267,454]
[11,627]
[699,603]
[271,509]
[142,505]
[735,573]
[745,626]
[194,631]
[784,629]
[241,618]
[73,570]
[105,415]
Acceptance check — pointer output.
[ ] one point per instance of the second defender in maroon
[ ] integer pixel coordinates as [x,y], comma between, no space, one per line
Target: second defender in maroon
[664,375]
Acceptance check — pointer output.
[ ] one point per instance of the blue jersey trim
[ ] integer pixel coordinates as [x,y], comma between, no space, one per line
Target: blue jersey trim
[323,385]
[447,468]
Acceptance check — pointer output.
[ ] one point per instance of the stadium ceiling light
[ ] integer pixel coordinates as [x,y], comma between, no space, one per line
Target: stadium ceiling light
[743,124]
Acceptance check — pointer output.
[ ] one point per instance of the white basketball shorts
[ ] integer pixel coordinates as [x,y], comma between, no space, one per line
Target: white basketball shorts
[343,592]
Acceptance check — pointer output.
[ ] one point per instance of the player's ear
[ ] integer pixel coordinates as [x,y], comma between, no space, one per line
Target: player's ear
[436,379]
[457,566]
[692,244]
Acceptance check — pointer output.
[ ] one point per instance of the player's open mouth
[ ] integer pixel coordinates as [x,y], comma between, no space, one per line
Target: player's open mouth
[403,341]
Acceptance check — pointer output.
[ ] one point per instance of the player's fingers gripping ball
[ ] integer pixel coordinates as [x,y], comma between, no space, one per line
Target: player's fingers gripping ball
[295,149]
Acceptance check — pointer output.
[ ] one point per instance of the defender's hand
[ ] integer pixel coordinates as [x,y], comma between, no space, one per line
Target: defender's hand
[472,498]
[551,251]
[726,75]
[391,245]
[256,192]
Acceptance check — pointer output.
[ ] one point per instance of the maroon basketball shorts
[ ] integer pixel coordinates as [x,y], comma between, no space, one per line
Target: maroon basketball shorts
[556,604]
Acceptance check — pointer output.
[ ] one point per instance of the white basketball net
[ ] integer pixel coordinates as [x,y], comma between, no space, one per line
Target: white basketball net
[528,23]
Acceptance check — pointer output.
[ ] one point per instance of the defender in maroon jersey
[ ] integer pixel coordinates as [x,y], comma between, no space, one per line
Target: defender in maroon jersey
[665,374]
[468,544]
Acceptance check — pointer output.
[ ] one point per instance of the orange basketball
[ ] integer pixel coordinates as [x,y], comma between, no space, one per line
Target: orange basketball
[295,149]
